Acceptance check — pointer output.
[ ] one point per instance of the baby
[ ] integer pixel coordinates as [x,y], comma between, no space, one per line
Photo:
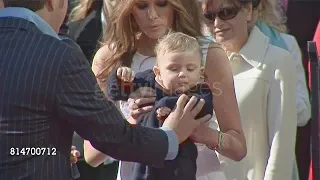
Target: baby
[178,71]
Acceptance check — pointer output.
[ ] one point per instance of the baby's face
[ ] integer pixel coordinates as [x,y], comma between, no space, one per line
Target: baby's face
[178,72]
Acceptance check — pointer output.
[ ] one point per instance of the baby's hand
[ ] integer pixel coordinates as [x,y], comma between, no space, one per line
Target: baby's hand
[162,113]
[126,74]
[74,155]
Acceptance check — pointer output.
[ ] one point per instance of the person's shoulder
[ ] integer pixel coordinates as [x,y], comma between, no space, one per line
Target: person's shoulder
[70,42]
[268,54]
[54,48]
[69,47]
[57,43]
[45,41]
[274,51]
[276,57]
[215,51]
[287,37]
[280,62]
[64,52]
[291,43]
[102,53]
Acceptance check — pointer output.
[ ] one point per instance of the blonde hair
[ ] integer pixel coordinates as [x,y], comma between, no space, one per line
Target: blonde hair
[108,5]
[175,42]
[82,10]
[122,31]
[272,13]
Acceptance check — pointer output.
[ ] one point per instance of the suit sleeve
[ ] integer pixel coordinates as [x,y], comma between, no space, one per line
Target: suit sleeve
[81,104]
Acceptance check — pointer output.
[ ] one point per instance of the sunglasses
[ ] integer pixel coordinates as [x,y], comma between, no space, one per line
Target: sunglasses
[224,13]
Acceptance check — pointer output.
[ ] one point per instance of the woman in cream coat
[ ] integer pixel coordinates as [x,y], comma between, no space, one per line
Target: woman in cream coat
[265,85]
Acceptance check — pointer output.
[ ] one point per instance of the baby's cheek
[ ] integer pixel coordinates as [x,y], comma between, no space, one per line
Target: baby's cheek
[169,85]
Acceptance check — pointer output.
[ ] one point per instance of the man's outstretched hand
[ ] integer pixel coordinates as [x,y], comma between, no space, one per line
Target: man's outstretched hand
[182,118]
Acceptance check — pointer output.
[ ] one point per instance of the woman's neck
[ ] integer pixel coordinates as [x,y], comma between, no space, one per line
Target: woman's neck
[236,45]
[232,47]
[146,45]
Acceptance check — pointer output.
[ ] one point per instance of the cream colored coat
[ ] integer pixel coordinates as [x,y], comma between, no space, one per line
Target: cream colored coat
[265,85]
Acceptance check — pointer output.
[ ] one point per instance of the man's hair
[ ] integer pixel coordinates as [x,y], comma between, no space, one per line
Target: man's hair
[175,42]
[33,5]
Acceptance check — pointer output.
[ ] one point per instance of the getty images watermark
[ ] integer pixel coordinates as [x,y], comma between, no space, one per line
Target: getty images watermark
[126,88]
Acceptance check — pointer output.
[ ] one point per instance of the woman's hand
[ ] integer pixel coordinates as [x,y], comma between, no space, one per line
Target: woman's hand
[205,135]
[140,102]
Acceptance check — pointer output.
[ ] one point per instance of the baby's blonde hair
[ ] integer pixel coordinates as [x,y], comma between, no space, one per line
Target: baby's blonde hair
[175,42]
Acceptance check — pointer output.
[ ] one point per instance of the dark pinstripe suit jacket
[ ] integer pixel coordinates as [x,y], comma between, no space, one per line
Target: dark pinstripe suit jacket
[48,91]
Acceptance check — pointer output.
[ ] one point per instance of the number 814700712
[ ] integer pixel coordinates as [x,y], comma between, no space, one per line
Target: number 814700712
[33,151]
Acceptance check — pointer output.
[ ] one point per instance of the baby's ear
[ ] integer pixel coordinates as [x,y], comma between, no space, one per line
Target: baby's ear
[156,71]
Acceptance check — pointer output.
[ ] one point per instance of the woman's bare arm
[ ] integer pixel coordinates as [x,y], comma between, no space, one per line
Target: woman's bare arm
[92,156]
[220,78]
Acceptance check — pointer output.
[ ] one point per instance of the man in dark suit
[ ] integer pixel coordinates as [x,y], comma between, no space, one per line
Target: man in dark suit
[48,91]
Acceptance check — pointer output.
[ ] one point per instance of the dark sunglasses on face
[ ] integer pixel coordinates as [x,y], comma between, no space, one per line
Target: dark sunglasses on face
[224,13]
